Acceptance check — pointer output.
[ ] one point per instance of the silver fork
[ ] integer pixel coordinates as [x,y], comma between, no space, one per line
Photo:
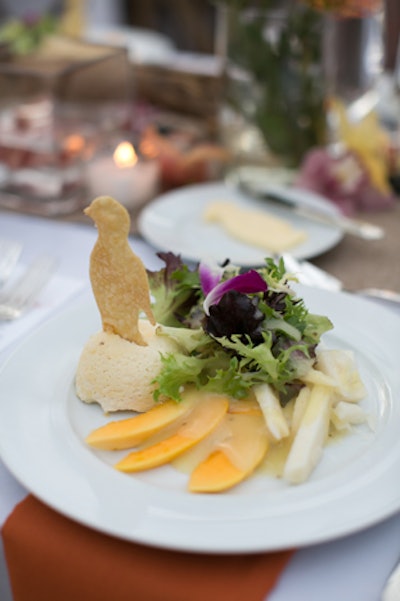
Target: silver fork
[15,300]
[10,251]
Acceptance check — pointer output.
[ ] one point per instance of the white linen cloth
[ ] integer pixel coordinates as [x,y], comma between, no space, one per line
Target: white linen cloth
[353,568]
[56,293]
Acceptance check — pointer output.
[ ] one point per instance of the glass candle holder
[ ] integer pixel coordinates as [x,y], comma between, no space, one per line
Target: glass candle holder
[125,174]
[58,105]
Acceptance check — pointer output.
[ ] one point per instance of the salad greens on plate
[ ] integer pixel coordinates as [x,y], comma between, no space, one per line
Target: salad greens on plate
[234,329]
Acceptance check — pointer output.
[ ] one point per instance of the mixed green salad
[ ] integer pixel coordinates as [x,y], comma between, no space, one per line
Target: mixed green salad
[234,329]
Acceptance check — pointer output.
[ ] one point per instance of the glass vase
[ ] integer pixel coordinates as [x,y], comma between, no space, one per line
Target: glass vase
[274,102]
[353,52]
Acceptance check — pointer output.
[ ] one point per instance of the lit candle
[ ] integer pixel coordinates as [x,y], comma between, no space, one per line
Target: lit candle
[123,176]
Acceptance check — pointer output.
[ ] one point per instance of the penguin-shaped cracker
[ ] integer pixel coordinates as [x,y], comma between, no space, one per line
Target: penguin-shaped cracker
[118,277]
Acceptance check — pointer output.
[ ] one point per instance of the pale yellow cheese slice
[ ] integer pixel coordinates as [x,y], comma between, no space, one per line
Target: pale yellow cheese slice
[257,228]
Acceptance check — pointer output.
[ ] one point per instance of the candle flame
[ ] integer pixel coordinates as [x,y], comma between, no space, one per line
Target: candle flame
[125,155]
[74,143]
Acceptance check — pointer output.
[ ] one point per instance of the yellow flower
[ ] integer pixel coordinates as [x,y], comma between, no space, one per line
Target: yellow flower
[367,139]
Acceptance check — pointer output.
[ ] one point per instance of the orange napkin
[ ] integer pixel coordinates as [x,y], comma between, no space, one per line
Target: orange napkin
[52,558]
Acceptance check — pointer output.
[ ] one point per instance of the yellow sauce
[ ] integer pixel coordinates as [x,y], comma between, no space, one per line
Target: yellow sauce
[275,459]
[241,437]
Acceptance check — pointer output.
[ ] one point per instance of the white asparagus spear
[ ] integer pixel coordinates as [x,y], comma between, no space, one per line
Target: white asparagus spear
[309,441]
[274,417]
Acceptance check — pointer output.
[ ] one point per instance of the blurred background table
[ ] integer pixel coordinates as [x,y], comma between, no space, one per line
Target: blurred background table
[175,107]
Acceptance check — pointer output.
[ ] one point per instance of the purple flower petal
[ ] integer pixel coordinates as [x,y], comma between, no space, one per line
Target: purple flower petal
[210,276]
[248,282]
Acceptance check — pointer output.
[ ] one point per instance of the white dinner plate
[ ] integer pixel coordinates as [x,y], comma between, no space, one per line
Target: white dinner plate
[174,222]
[43,424]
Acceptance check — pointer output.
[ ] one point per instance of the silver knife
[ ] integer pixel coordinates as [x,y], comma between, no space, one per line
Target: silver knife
[361,229]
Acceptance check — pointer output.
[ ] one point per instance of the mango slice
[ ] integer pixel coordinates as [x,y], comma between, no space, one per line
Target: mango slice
[130,432]
[235,459]
[215,474]
[205,416]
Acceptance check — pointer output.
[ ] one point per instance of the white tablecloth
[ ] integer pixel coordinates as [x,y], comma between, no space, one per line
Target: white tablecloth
[353,568]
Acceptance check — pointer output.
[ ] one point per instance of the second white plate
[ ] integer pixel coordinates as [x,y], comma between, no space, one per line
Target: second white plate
[174,222]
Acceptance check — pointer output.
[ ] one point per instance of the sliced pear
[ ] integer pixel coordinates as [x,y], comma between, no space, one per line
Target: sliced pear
[130,432]
[340,365]
[314,376]
[345,414]
[205,416]
[236,457]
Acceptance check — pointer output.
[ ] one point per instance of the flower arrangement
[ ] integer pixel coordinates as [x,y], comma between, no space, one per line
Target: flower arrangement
[26,34]
[355,174]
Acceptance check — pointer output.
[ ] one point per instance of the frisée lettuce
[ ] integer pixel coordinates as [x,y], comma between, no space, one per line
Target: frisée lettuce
[234,329]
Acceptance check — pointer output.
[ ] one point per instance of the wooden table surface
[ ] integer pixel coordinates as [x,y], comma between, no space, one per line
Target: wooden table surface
[365,264]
